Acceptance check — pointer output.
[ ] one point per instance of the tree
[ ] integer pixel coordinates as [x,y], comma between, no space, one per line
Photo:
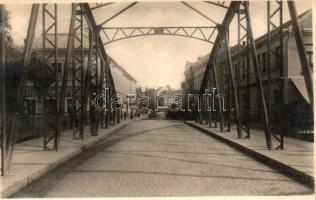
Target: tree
[14,63]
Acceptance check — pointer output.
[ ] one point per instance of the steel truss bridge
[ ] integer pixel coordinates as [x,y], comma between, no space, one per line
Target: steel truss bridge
[98,74]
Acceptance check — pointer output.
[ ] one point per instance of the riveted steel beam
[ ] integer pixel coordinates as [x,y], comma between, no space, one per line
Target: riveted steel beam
[225,24]
[69,54]
[3,117]
[26,62]
[224,27]
[277,12]
[78,97]
[54,68]
[253,50]
[234,86]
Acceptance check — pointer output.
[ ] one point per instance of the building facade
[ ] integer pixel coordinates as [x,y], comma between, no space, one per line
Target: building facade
[287,91]
[125,84]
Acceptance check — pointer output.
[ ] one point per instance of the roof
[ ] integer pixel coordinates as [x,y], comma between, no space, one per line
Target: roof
[121,69]
[62,44]
[305,20]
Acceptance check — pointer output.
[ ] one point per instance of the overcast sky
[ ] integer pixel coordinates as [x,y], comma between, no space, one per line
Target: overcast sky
[153,60]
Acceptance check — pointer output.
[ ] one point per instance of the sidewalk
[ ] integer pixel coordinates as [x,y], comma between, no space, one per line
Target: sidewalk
[295,161]
[30,161]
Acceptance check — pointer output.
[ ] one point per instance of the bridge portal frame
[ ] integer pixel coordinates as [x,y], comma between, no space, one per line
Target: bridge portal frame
[96,48]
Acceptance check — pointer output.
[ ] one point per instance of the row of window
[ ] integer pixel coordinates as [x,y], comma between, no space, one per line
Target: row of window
[262,62]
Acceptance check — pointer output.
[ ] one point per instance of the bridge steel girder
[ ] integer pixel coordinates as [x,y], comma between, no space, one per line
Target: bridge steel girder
[243,47]
[203,33]
[101,50]
[52,86]
[301,52]
[199,12]
[234,86]
[220,109]
[69,54]
[107,95]
[3,118]
[26,62]
[253,49]
[91,80]
[209,100]
[227,117]
[115,15]
[222,5]
[278,12]
[233,7]
[78,77]
[94,84]
[101,90]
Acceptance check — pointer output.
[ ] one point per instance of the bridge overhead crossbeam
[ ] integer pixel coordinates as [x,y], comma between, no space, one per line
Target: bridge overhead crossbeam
[204,33]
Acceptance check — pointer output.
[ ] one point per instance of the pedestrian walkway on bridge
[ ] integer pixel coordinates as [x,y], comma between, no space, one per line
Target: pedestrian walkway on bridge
[297,158]
[162,158]
[30,161]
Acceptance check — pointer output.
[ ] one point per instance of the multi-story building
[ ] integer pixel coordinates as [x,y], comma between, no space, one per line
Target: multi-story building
[288,78]
[125,84]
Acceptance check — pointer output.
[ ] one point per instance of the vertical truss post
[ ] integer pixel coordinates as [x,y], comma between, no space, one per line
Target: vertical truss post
[107,94]
[234,86]
[229,99]
[220,108]
[248,88]
[282,71]
[209,100]
[87,75]
[78,76]
[92,25]
[91,76]
[243,48]
[50,57]
[26,62]
[270,27]
[301,51]
[202,109]
[102,91]
[112,108]
[69,53]
[269,23]
[233,7]
[2,93]
[258,77]
[95,81]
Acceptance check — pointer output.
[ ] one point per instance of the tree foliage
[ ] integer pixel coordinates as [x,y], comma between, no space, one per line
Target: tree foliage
[14,65]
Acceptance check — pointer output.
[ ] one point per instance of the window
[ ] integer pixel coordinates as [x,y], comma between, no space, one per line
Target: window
[277,54]
[277,51]
[236,71]
[259,60]
[245,99]
[310,58]
[59,66]
[264,62]
[30,106]
[244,69]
